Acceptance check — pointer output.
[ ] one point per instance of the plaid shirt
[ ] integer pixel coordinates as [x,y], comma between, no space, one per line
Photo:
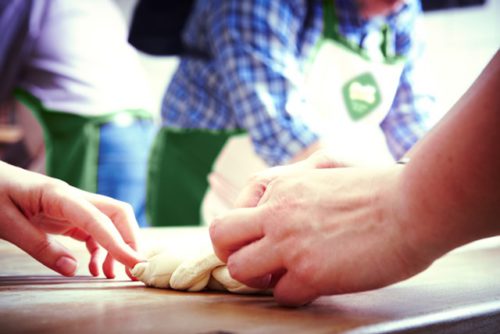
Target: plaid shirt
[258,50]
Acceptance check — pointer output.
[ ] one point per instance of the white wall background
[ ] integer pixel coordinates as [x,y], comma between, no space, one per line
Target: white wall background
[460,42]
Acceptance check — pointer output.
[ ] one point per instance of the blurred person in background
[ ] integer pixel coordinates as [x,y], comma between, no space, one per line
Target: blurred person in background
[70,64]
[265,83]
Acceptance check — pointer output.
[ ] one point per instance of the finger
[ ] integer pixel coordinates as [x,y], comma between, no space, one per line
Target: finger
[96,254]
[254,262]
[276,276]
[290,291]
[50,225]
[108,267]
[121,214]
[221,275]
[323,159]
[19,231]
[261,283]
[67,203]
[234,230]
[255,188]
[251,193]
[128,271]
[92,246]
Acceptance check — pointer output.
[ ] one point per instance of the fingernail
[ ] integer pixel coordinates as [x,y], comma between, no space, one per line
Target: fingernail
[139,269]
[66,266]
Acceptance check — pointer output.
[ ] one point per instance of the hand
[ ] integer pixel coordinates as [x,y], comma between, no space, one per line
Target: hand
[320,232]
[33,206]
[308,151]
[251,194]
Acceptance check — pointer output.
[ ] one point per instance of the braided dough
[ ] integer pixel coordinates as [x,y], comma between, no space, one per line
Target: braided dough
[188,271]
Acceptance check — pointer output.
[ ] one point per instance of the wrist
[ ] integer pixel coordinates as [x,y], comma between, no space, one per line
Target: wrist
[435,221]
[420,243]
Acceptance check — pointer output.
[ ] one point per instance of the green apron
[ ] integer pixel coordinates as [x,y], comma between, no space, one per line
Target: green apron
[351,89]
[182,159]
[71,141]
[179,164]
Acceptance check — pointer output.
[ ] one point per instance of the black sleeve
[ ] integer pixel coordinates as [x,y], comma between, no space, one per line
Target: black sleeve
[157,26]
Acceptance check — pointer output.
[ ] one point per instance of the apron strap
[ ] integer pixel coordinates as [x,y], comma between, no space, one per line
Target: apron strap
[331,31]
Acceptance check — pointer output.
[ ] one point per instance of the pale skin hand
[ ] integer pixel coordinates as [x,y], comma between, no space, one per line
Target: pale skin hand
[251,194]
[34,206]
[307,152]
[328,231]
[303,214]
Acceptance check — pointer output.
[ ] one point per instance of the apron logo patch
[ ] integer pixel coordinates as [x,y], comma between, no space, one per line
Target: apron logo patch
[361,96]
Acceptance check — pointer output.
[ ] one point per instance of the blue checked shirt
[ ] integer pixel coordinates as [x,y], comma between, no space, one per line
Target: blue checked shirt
[257,53]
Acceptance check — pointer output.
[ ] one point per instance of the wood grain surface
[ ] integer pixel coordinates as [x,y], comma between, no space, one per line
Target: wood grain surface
[460,293]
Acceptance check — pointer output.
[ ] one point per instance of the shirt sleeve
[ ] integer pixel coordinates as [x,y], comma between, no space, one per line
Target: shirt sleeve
[409,118]
[256,49]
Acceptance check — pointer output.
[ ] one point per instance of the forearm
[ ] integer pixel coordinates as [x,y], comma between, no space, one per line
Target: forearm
[452,185]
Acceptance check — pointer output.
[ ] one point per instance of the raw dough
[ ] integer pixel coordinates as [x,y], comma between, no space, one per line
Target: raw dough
[182,271]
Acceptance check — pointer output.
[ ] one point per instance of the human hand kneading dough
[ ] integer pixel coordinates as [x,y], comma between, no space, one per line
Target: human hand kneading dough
[323,231]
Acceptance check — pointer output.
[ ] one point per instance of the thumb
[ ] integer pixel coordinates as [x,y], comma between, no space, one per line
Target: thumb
[251,194]
[19,231]
[324,158]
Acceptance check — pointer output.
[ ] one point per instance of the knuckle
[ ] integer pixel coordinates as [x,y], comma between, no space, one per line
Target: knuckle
[60,183]
[55,185]
[57,188]
[255,178]
[306,268]
[127,211]
[89,224]
[122,208]
[260,180]
[324,159]
[213,230]
[127,208]
[123,211]
[234,269]
[283,203]
[109,246]
[41,247]
[217,240]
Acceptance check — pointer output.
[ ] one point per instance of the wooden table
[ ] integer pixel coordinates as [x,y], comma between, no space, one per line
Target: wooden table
[459,294]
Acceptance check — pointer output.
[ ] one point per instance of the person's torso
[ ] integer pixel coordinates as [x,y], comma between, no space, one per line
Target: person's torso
[82,63]
[198,78]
